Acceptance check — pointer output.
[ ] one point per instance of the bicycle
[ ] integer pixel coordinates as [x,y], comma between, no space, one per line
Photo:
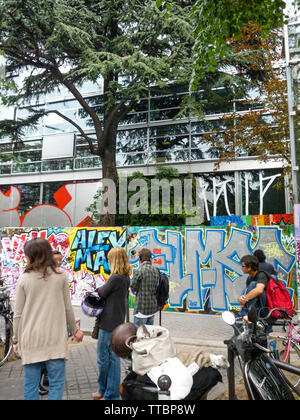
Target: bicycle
[6,327]
[262,373]
[286,344]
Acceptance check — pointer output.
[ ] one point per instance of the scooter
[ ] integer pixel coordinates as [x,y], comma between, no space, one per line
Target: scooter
[262,372]
[137,387]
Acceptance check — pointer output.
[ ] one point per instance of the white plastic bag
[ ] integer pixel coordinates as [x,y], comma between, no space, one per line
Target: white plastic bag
[181,377]
[152,347]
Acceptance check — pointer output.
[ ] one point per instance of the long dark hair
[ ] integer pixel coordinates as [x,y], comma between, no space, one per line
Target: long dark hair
[40,254]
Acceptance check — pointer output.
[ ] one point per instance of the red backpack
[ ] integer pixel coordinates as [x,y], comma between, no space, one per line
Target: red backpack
[278,297]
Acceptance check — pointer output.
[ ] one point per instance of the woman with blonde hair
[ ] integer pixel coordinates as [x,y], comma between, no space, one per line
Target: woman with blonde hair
[115,293]
[42,311]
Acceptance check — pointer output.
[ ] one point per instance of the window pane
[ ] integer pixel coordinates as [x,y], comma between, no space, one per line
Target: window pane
[88,162]
[135,118]
[132,140]
[169,156]
[57,165]
[131,159]
[169,142]
[257,197]
[5,147]
[49,190]
[219,191]
[166,130]
[27,167]
[166,114]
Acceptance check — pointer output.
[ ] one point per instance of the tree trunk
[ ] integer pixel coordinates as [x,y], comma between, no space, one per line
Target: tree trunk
[109,177]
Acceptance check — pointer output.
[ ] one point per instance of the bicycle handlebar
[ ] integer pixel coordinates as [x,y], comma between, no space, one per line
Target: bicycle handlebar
[283,311]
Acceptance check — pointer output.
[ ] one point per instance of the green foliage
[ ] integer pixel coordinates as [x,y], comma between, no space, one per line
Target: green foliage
[128,43]
[124,46]
[216,22]
[152,218]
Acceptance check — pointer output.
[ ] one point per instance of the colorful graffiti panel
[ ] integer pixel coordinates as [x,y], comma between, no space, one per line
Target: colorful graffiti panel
[203,263]
[84,252]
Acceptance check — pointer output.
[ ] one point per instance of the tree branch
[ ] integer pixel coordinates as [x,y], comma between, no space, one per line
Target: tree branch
[75,92]
[88,139]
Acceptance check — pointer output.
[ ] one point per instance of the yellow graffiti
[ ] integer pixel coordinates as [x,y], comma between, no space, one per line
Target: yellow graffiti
[273,250]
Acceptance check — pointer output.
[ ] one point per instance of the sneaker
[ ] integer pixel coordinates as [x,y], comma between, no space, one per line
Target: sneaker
[97,396]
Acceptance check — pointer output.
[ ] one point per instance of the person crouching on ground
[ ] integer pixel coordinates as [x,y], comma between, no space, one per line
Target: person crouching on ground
[42,311]
[256,283]
[115,294]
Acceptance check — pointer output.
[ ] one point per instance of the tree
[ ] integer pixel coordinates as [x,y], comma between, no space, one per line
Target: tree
[264,131]
[224,19]
[214,22]
[62,43]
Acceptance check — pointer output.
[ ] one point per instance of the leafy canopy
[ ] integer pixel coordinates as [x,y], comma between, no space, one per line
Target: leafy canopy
[214,22]
[126,44]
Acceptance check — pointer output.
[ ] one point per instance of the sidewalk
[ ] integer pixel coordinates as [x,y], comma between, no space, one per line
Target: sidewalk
[207,331]
[185,328]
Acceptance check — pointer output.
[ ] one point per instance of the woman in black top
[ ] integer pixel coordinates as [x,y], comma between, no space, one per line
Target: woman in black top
[115,293]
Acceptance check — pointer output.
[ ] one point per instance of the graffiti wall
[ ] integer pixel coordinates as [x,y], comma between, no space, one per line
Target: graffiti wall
[58,203]
[203,263]
[68,209]
[84,253]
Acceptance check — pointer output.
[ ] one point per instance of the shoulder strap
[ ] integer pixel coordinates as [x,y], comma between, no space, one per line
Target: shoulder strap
[266,274]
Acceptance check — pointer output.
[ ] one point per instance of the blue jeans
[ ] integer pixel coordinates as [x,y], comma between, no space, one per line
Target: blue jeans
[143,321]
[260,302]
[109,368]
[56,375]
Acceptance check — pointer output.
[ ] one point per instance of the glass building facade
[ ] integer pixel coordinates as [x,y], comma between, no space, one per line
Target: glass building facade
[156,132]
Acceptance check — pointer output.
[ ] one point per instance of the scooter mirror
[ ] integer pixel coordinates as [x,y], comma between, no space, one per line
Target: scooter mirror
[252,314]
[228,317]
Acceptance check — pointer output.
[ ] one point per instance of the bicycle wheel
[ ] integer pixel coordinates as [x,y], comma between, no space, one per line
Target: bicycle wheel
[291,357]
[284,355]
[6,333]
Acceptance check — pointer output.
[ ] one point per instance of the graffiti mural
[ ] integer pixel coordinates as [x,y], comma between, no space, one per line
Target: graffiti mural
[84,253]
[203,263]
[70,208]
[257,220]
[65,204]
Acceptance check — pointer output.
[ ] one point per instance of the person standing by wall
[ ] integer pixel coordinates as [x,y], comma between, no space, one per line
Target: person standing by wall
[144,284]
[43,310]
[57,257]
[115,294]
[263,265]
[44,382]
